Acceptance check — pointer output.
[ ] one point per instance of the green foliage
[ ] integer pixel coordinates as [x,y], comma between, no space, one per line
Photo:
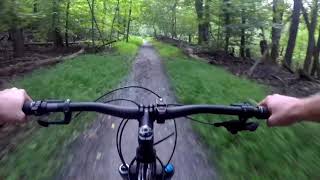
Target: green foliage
[84,78]
[129,49]
[168,52]
[136,40]
[150,17]
[277,153]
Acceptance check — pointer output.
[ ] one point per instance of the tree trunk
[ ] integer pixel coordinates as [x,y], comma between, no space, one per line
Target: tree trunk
[293,31]
[155,34]
[203,15]
[174,20]
[58,39]
[263,46]
[18,41]
[226,9]
[278,9]
[118,21]
[315,69]
[199,10]
[311,40]
[206,24]
[129,20]
[248,53]
[124,24]
[92,23]
[112,24]
[243,35]
[91,8]
[105,14]
[55,31]
[35,6]
[67,24]
[15,32]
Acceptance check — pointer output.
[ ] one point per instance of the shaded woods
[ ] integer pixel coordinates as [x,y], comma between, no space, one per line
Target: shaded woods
[283,32]
[58,24]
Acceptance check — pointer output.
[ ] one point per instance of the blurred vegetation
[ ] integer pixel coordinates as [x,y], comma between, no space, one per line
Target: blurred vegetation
[81,79]
[268,153]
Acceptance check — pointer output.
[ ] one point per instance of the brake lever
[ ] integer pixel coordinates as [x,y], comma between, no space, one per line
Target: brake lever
[234,126]
[66,120]
[67,116]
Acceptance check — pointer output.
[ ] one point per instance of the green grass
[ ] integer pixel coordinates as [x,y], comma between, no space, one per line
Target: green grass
[268,153]
[83,78]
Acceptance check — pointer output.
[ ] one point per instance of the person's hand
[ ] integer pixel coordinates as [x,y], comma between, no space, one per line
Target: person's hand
[11,102]
[284,110]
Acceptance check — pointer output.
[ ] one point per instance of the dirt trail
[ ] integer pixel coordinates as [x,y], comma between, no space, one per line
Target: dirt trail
[94,156]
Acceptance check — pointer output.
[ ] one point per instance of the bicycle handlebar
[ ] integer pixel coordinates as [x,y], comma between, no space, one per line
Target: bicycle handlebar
[161,112]
[239,110]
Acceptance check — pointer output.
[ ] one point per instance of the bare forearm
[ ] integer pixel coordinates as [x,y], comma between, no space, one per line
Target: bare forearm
[309,109]
[287,110]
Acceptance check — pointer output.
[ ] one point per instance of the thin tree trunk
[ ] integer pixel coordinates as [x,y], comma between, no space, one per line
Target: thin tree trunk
[15,32]
[311,40]
[95,21]
[219,30]
[124,24]
[18,41]
[243,35]
[129,20]
[118,21]
[199,11]
[67,24]
[35,25]
[105,15]
[35,6]
[92,22]
[113,20]
[203,15]
[278,8]
[226,10]
[264,47]
[315,69]
[206,24]
[174,20]
[293,31]
[55,31]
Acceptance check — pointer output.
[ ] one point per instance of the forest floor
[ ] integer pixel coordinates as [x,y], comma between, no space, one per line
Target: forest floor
[281,80]
[11,67]
[94,155]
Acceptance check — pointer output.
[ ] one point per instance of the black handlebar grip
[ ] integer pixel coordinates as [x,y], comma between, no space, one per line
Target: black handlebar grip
[26,108]
[263,113]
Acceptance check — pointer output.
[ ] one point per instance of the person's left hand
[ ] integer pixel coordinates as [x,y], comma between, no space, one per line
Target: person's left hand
[11,102]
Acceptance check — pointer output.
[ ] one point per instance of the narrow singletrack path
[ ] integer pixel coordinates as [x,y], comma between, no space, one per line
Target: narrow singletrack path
[94,155]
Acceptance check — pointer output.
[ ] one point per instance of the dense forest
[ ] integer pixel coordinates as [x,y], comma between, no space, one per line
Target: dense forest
[283,32]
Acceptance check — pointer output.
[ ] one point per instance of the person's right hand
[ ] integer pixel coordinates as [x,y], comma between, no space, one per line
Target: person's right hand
[284,110]
[11,102]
